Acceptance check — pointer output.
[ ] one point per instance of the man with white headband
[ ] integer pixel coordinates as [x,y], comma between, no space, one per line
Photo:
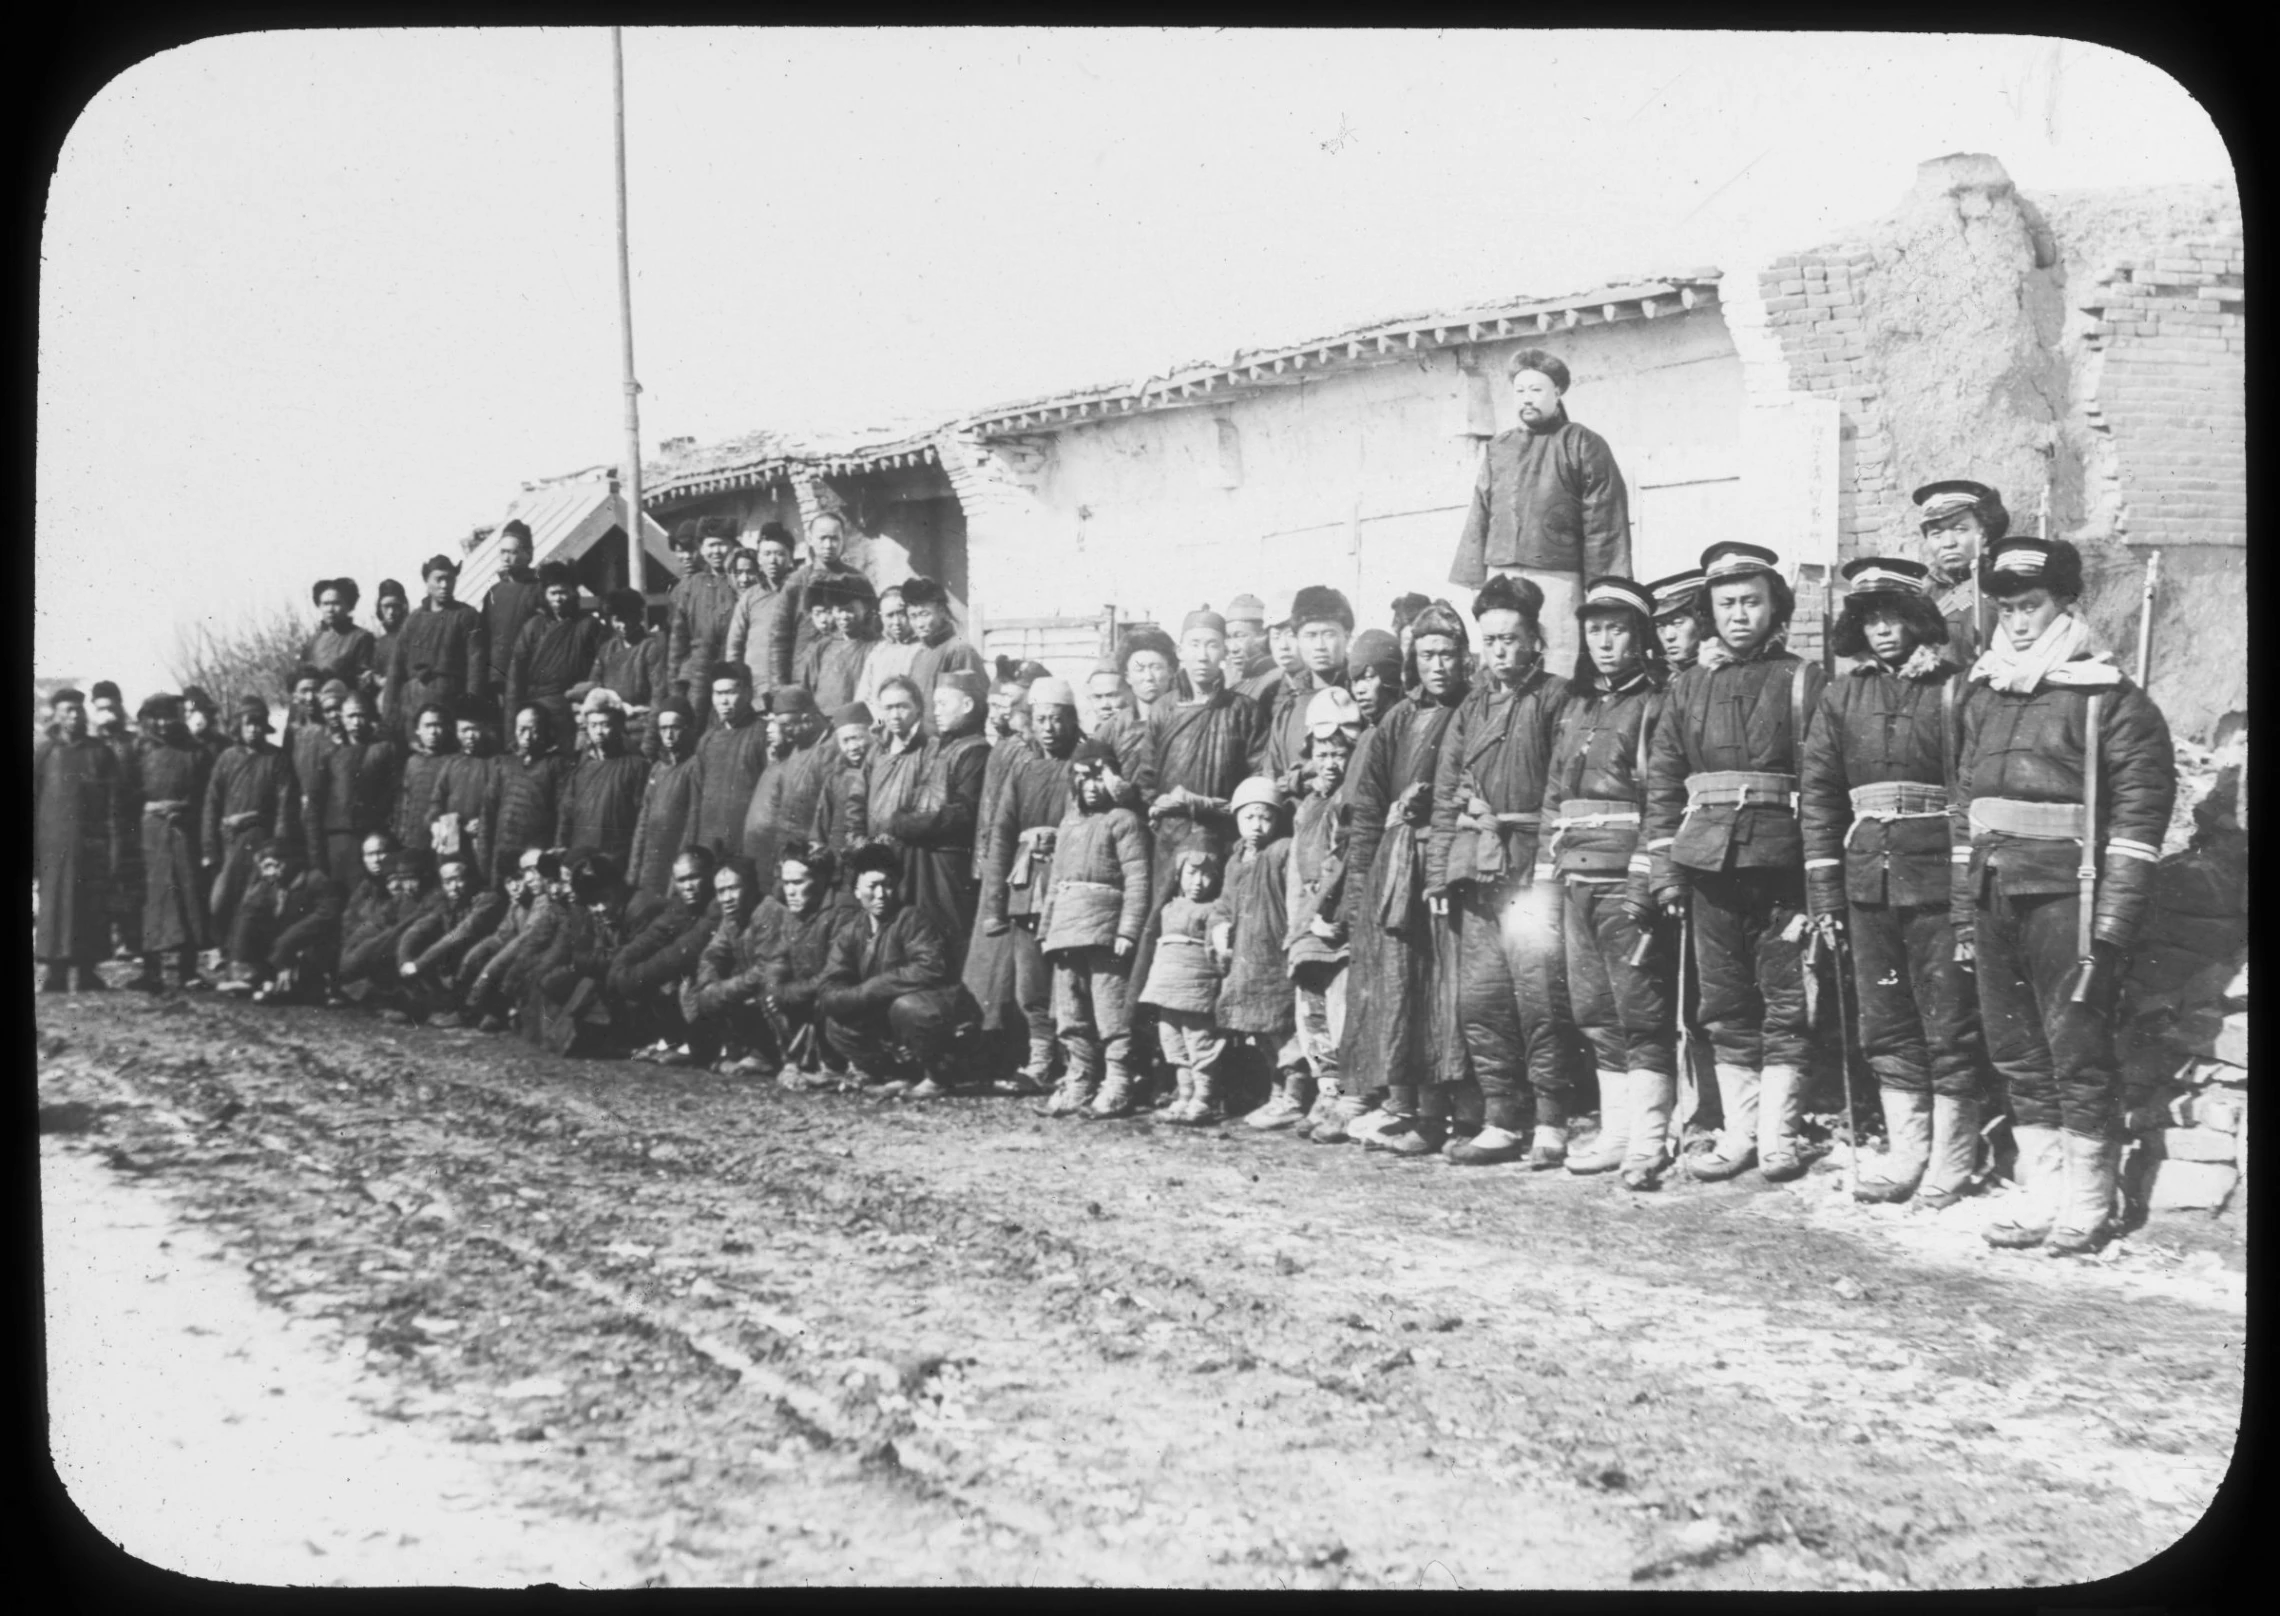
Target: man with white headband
[2064,783]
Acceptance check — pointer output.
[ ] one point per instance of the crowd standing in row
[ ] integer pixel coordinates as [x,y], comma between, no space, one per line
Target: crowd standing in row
[806,832]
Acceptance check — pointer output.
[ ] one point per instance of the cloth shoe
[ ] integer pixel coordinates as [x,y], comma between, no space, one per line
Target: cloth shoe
[1332,1129]
[2086,1194]
[1080,1081]
[927,1088]
[1613,1144]
[1549,1148]
[1652,1096]
[1115,1096]
[1365,1125]
[1283,1109]
[1781,1112]
[1203,1108]
[1954,1153]
[2040,1166]
[1907,1148]
[1325,1102]
[1413,1136]
[1737,1141]
[1487,1148]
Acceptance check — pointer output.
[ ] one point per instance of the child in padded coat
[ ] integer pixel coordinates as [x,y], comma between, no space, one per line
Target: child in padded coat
[1183,986]
[1256,1001]
[1090,929]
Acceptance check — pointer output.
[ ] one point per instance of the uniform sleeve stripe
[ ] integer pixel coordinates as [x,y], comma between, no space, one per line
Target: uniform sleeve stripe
[2117,850]
[1822,864]
[1959,854]
[2122,844]
[1659,843]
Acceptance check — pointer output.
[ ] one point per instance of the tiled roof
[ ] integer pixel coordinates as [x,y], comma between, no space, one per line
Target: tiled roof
[760,458]
[565,515]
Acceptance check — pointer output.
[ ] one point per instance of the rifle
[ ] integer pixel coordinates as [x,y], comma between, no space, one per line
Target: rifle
[2087,871]
[1689,1090]
[1848,1018]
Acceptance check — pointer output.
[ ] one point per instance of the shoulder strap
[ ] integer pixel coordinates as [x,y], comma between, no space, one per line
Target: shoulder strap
[1797,700]
[1950,738]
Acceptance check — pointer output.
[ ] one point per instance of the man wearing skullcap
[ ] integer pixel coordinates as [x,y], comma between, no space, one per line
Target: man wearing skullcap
[940,648]
[934,828]
[391,608]
[2065,778]
[1727,850]
[1251,665]
[731,756]
[1485,866]
[83,820]
[601,796]
[697,618]
[1374,673]
[668,800]
[250,797]
[1682,618]
[893,652]
[1960,520]
[760,628]
[555,648]
[1549,503]
[1597,794]
[508,604]
[339,649]
[354,792]
[1875,816]
[783,805]
[889,985]
[1006,969]
[843,797]
[446,650]
[826,563]
[1323,622]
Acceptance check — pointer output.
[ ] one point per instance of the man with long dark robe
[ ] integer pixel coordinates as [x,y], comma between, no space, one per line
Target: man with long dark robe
[463,808]
[555,649]
[1482,870]
[940,648]
[250,797]
[286,939]
[893,652]
[935,829]
[1401,1025]
[698,616]
[107,716]
[1251,666]
[390,608]
[831,667]
[664,938]
[783,805]
[842,803]
[896,765]
[601,797]
[508,604]
[446,651]
[731,757]
[173,771]
[354,793]
[339,649]
[435,741]
[790,630]
[1201,748]
[760,628]
[668,800]
[81,819]
[631,662]
[530,795]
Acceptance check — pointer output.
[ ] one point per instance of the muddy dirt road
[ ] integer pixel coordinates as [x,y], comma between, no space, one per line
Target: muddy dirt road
[826,1339]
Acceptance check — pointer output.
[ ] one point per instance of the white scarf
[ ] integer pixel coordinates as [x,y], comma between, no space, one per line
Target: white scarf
[2061,657]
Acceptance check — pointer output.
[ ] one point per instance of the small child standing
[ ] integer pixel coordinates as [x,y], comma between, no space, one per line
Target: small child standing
[1090,929]
[1256,1001]
[1319,953]
[1183,987]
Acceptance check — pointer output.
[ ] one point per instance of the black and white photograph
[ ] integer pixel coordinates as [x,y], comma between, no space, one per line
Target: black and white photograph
[1179,808]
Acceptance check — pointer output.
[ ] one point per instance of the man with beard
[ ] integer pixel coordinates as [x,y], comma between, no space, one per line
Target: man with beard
[555,648]
[668,802]
[2060,755]
[889,995]
[287,936]
[940,650]
[339,649]
[1488,806]
[601,798]
[173,771]
[701,606]
[759,629]
[390,607]
[250,797]
[446,651]
[1598,788]
[1401,1027]
[530,782]
[1723,836]
[1961,520]
[1549,504]
[1006,969]
[354,793]
[663,941]
[783,805]
[507,605]
[730,760]
[1323,622]
[1875,816]
[934,827]
[435,732]
[81,821]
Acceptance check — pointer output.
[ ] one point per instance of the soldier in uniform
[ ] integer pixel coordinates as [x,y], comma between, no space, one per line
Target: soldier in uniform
[1488,801]
[1725,847]
[1961,520]
[1682,619]
[1875,814]
[1597,780]
[2064,784]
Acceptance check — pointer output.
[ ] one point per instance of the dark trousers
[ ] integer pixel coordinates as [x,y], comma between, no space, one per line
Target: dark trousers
[1510,1000]
[1753,982]
[1919,1020]
[344,857]
[1092,1005]
[1032,979]
[255,945]
[1623,1009]
[2055,1056]
[922,1025]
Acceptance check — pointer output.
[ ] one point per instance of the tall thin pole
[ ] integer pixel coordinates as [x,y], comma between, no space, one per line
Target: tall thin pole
[632,481]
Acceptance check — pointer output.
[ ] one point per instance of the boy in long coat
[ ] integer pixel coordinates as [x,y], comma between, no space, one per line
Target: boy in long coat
[1094,877]
[81,821]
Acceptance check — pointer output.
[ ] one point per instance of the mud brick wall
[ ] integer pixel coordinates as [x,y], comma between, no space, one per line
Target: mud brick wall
[1813,305]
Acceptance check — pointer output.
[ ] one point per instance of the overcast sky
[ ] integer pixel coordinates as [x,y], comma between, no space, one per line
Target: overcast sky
[319,302]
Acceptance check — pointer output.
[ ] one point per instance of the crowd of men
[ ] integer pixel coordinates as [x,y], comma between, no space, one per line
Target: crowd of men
[1562,835]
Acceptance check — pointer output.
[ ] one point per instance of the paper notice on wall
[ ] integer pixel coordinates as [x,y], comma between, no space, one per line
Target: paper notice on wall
[1789,478]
